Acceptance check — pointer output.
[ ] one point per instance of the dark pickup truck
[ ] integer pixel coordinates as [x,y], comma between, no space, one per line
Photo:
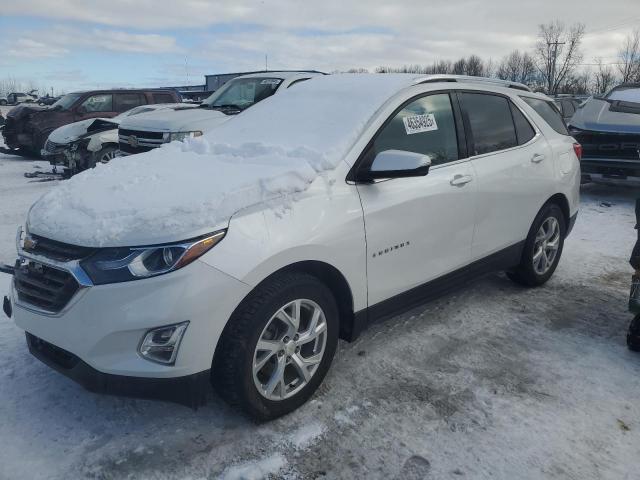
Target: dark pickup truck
[608,128]
[27,126]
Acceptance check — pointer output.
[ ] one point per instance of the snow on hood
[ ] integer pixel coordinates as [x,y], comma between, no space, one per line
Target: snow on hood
[176,120]
[274,149]
[73,131]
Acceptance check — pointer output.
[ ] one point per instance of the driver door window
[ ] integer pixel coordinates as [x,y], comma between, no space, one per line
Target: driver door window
[426,125]
[98,103]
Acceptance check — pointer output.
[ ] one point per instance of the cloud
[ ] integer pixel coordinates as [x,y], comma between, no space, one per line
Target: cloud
[404,31]
[60,40]
[29,48]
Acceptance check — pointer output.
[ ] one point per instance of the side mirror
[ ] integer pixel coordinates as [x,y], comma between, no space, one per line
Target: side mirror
[81,109]
[398,164]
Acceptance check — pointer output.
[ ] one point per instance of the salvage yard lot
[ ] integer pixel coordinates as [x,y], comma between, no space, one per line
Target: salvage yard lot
[492,381]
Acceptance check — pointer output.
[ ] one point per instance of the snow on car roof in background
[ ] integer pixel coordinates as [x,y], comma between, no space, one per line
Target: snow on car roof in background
[284,74]
[275,149]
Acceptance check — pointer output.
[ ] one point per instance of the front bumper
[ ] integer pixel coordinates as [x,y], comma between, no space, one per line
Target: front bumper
[103,325]
[190,390]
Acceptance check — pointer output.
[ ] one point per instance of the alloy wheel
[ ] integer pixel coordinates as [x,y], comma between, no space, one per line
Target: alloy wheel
[546,245]
[290,349]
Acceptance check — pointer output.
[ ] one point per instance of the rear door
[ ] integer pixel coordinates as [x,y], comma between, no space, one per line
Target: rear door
[514,169]
[419,228]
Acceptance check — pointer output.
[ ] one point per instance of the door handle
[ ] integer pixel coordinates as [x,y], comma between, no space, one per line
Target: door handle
[460,180]
[538,157]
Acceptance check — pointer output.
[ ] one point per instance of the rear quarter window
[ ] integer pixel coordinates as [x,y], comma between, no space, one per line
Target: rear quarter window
[549,112]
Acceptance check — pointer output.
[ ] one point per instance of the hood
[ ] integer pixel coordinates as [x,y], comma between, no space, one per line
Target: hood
[74,131]
[151,201]
[23,111]
[183,120]
[601,116]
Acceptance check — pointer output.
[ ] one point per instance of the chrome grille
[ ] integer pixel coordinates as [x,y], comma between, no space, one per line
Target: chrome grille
[43,286]
[138,141]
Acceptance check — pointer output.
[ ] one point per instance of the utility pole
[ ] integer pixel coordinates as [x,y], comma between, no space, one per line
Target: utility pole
[552,74]
[265,63]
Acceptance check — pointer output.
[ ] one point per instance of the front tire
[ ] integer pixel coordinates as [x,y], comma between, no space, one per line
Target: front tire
[542,248]
[278,346]
[104,155]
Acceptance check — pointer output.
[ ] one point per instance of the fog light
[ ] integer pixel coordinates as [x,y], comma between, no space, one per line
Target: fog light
[161,344]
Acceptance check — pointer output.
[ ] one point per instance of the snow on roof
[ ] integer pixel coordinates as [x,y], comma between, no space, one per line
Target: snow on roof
[282,74]
[272,150]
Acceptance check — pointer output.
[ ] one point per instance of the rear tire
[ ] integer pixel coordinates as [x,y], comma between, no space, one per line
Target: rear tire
[542,249]
[270,382]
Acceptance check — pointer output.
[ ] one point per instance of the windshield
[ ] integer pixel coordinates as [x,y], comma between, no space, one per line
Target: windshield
[241,93]
[625,94]
[66,101]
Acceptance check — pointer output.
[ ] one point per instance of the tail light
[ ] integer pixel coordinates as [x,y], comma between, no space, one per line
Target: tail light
[577,148]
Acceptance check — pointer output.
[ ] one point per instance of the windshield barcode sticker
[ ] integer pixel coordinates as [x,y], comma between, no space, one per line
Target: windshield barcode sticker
[420,123]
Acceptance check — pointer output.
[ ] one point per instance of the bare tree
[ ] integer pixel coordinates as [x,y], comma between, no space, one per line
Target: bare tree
[577,84]
[630,58]
[603,78]
[517,67]
[459,67]
[557,53]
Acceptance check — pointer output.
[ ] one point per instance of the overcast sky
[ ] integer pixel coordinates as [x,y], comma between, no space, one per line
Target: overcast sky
[73,44]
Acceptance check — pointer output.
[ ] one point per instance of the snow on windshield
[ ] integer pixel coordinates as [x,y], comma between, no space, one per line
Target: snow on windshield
[625,94]
[273,150]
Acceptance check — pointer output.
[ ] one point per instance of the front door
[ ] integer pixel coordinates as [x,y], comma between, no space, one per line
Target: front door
[420,228]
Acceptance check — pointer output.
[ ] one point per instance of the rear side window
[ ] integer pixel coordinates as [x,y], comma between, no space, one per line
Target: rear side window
[490,121]
[127,101]
[163,98]
[425,126]
[524,130]
[548,112]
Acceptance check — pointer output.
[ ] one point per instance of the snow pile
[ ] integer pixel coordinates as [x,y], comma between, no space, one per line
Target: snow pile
[273,150]
[307,435]
[256,470]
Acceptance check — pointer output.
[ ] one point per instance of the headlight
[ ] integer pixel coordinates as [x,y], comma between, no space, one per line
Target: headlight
[112,265]
[180,136]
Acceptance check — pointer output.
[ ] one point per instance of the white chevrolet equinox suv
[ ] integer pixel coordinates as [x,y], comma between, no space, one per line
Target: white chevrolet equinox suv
[239,258]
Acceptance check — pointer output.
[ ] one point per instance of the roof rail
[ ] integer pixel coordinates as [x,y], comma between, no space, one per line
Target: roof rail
[470,79]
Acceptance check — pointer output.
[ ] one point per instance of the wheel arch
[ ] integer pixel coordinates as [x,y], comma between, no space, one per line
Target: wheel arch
[561,201]
[335,282]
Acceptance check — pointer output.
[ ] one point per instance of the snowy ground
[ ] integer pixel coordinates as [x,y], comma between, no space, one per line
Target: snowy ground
[494,381]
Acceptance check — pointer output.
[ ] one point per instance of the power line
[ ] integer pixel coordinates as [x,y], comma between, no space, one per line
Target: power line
[614,26]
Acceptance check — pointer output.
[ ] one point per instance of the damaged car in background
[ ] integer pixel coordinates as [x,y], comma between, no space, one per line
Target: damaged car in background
[608,128]
[82,145]
[28,126]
